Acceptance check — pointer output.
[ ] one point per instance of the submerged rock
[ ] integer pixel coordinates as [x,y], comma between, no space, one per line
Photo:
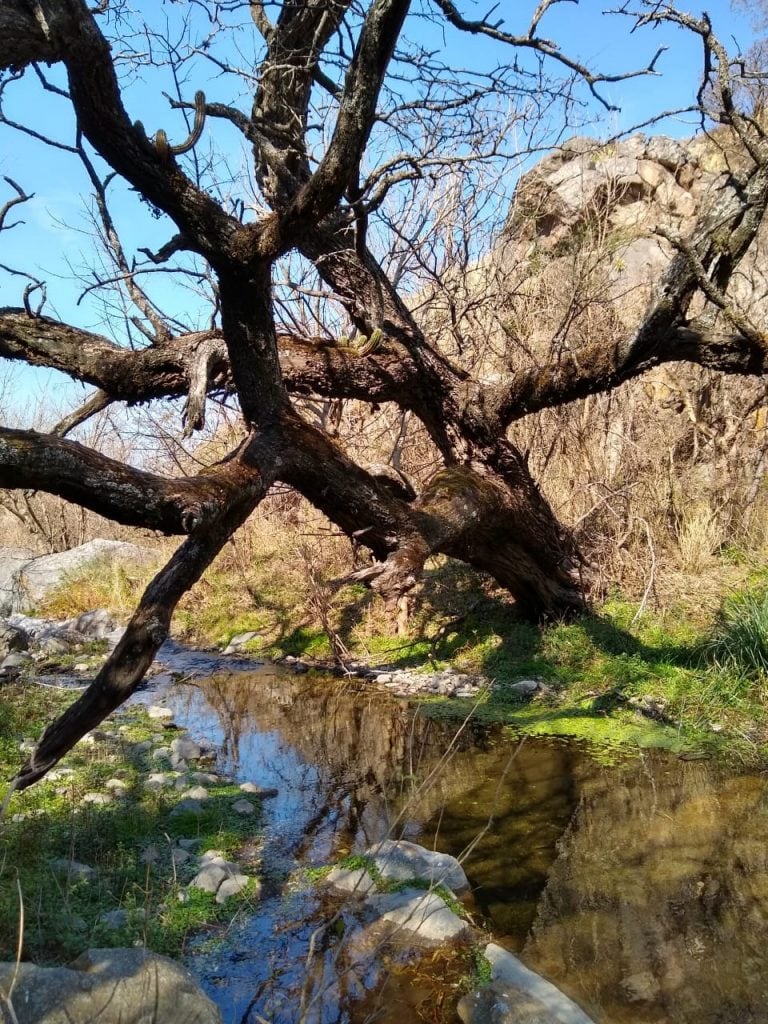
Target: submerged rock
[126,985]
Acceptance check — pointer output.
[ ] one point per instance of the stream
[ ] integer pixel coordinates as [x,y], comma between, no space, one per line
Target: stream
[640,888]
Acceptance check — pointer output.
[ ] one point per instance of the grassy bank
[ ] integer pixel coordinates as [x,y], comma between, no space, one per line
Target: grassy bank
[134,891]
[688,677]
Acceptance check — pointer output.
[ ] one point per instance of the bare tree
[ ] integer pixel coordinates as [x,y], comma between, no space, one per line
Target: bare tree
[341,111]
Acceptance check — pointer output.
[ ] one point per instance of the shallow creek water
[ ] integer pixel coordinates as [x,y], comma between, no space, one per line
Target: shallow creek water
[640,889]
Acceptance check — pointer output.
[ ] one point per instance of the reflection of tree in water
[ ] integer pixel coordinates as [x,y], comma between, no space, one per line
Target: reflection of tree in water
[657,907]
[346,749]
[646,886]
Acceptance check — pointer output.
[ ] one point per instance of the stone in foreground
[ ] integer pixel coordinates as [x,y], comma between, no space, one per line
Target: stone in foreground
[518,995]
[126,985]
[356,881]
[422,915]
[401,861]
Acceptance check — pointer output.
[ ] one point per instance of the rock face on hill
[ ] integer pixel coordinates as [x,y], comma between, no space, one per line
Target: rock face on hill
[25,578]
[613,199]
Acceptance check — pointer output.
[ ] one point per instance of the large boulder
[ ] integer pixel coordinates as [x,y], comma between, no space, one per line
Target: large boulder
[26,578]
[12,562]
[131,986]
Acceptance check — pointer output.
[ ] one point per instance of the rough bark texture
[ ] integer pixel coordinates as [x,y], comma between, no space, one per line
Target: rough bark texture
[483,506]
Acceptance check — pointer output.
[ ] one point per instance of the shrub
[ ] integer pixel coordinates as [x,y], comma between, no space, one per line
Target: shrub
[739,638]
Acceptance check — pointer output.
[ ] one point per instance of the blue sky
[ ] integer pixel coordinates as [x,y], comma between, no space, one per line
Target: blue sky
[55,243]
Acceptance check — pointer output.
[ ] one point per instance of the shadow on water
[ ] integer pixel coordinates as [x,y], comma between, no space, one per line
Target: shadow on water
[641,889]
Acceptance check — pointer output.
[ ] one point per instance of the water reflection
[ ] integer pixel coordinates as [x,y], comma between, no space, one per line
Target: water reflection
[641,890]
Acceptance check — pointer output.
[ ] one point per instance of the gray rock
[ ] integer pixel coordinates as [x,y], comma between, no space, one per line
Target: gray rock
[210,877]
[26,580]
[180,856]
[231,887]
[525,687]
[96,624]
[117,786]
[204,778]
[422,915]
[161,754]
[187,749]
[187,807]
[197,793]
[518,995]
[73,870]
[98,799]
[255,790]
[188,844]
[126,985]
[665,151]
[157,711]
[141,748]
[357,881]
[401,861]
[213,856]
[56,644]
[158,780]
[243,807]
[213,871]
[12,638]
[242,638]
[14,661]
[580,144]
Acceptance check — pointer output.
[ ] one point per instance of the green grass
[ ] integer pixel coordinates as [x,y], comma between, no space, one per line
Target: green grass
[739,639]
[62,918]
[596,669]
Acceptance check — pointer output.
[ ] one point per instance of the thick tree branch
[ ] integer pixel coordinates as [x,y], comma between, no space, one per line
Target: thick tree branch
[309,366]
[28,32]
[356,115]
[147,630]
[113,489]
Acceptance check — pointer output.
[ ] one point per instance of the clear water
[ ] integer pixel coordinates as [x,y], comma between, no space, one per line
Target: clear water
[640,889]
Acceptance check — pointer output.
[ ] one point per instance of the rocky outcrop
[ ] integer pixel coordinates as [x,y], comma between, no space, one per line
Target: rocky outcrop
[610,199]
[126,985]
[26,578]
